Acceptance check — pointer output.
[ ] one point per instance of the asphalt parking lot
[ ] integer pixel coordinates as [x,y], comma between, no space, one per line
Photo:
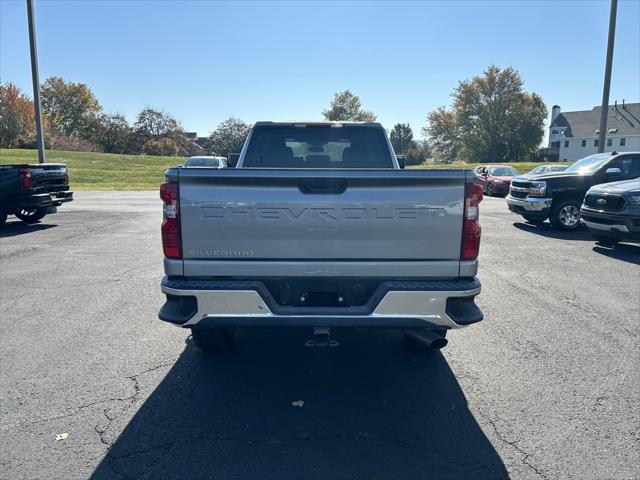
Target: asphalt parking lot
[548,386]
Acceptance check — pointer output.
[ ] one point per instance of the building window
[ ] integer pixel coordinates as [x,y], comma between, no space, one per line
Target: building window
[566,144]
[595,142]
[554,132]
[584,143]
[609,142]
[623,142]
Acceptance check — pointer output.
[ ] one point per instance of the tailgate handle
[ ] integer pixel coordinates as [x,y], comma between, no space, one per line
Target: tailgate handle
[315,186]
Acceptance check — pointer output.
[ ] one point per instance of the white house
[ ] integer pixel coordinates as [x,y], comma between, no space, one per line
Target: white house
[575,134]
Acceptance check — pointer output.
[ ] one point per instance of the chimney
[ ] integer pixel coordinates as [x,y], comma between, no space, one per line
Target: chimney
[555,111]
[615,105]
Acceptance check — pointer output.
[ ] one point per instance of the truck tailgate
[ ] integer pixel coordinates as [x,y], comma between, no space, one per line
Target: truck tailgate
[49,177]
[321,215]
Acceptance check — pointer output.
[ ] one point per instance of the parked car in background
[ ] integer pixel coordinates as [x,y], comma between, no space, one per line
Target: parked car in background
[547,169]
[31,191]
[495,179]
[318,226]
[206,161]
[558,196]
[611,211]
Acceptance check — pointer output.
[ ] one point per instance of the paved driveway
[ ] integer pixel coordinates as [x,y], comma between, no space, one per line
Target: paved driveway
[546,387]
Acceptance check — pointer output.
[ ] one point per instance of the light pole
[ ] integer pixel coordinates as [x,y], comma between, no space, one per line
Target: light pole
[36,81]
[607,76]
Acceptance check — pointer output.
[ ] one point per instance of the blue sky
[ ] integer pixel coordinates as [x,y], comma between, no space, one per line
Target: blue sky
[206,61]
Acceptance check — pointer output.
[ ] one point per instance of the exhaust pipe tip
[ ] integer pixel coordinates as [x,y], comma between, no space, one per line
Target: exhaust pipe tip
[426,338]
[438,344]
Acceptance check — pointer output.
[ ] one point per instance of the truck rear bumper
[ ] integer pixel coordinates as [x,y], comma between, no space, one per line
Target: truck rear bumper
[215,303]
[41,200]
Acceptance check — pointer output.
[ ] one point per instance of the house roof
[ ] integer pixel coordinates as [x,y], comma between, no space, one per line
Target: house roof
[586,122]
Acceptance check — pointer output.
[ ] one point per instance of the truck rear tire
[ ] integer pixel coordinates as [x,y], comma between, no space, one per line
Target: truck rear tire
[213,340]
[566,214]
[31,215]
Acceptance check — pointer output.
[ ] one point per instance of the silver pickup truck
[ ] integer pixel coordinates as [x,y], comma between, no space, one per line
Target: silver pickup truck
[318,226]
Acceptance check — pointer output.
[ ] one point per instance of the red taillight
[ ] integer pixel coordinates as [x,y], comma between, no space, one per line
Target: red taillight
[26,180]
[171,220]
[471,226]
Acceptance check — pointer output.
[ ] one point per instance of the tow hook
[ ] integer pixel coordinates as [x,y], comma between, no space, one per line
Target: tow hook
[321,338]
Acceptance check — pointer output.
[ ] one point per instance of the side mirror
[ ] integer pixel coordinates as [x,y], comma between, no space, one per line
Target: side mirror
[180,165]
[613,171]
[401,160]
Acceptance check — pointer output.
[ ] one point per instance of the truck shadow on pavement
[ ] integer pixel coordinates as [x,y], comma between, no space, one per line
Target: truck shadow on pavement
[621,251]
[11,229]
[372,409]
[546,230]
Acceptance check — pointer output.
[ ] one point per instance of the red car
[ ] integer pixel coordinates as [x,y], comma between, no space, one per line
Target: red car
[495,179]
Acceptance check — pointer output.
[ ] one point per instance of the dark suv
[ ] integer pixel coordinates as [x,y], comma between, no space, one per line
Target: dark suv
[611,211]
[558,196]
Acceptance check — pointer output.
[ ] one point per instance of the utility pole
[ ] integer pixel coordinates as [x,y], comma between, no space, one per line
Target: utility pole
[36,81]
[607,76]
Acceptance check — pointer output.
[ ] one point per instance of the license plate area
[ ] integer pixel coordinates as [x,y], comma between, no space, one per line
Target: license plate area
[321,292]
[323,299]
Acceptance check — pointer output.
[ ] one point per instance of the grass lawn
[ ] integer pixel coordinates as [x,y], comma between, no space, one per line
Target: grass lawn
[108,171]
[102,171]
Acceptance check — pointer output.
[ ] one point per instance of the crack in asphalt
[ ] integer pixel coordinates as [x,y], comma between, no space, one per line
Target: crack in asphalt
[164,448]
[514,444]
[85,231]
[574,303]
[132,398]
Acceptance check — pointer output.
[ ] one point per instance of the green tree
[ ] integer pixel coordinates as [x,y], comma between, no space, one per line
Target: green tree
[493,119]
[228,137]
[401,137]
[527,122]
[17,121]
[497,120]
[112,132]
[70,107]
[346,107]
[417,154]
[152,123]
[442,134]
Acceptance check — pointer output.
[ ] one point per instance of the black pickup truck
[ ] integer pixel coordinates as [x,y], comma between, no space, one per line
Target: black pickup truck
[558,196]
[31,191]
